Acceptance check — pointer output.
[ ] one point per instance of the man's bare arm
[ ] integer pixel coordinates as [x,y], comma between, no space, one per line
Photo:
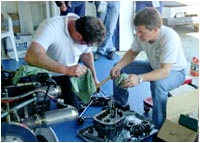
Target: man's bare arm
[36,55]
[88,61]
[158,74]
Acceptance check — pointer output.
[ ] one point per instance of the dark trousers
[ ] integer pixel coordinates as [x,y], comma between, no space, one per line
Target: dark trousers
[68,95]
[78,7]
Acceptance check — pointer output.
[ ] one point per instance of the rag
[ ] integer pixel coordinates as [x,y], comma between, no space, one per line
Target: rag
[83,86]
[119,80]
[26,70]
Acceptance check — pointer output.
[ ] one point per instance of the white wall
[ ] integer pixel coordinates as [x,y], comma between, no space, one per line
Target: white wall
[126,29]
[9,6]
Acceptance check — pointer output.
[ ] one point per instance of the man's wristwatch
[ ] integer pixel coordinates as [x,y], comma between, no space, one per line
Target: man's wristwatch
[140,79]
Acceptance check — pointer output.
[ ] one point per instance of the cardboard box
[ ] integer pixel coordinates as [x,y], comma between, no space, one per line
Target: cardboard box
[15,22]
[181,90]
[172,131]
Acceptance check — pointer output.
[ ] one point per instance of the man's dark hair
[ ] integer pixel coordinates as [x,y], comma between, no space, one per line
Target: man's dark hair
[149,17]
[92,29]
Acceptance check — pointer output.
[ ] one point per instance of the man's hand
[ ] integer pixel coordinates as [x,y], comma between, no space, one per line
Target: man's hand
[96,81]
[63,7]
[115,72]
[131,81]
[77,70]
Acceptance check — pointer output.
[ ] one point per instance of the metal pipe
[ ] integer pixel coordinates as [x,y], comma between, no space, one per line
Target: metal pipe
[56,91]
[7,106]
[23,84]
[18,107]
[23,95]
[53,117]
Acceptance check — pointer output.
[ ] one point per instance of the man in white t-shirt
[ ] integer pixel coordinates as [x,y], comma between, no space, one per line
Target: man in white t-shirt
[165,69]
[58,44]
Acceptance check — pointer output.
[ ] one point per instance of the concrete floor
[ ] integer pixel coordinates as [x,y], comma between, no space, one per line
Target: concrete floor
[190,43]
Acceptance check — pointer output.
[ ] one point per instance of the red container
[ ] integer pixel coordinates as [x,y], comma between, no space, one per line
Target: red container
[194,69]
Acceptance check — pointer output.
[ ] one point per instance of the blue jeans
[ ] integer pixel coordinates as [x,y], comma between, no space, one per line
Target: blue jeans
[109,17]
[116,37]
[78,7]
[142,4]
[159,89]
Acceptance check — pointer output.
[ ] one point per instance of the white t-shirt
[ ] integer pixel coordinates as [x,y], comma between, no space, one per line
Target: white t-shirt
[54,36]
[166,49]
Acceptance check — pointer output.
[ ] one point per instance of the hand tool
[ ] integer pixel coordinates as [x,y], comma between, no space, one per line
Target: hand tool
[103,81]
[81,117]
[94,100]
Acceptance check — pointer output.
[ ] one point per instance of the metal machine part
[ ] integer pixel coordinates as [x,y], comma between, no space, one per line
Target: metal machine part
[51,118]
[46,135]
[29,103]
[40,91]
[53,90]
[107,125]
[81,118]
[112,119]
[126,127]
[26,113]
[16,132]
[95,101]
